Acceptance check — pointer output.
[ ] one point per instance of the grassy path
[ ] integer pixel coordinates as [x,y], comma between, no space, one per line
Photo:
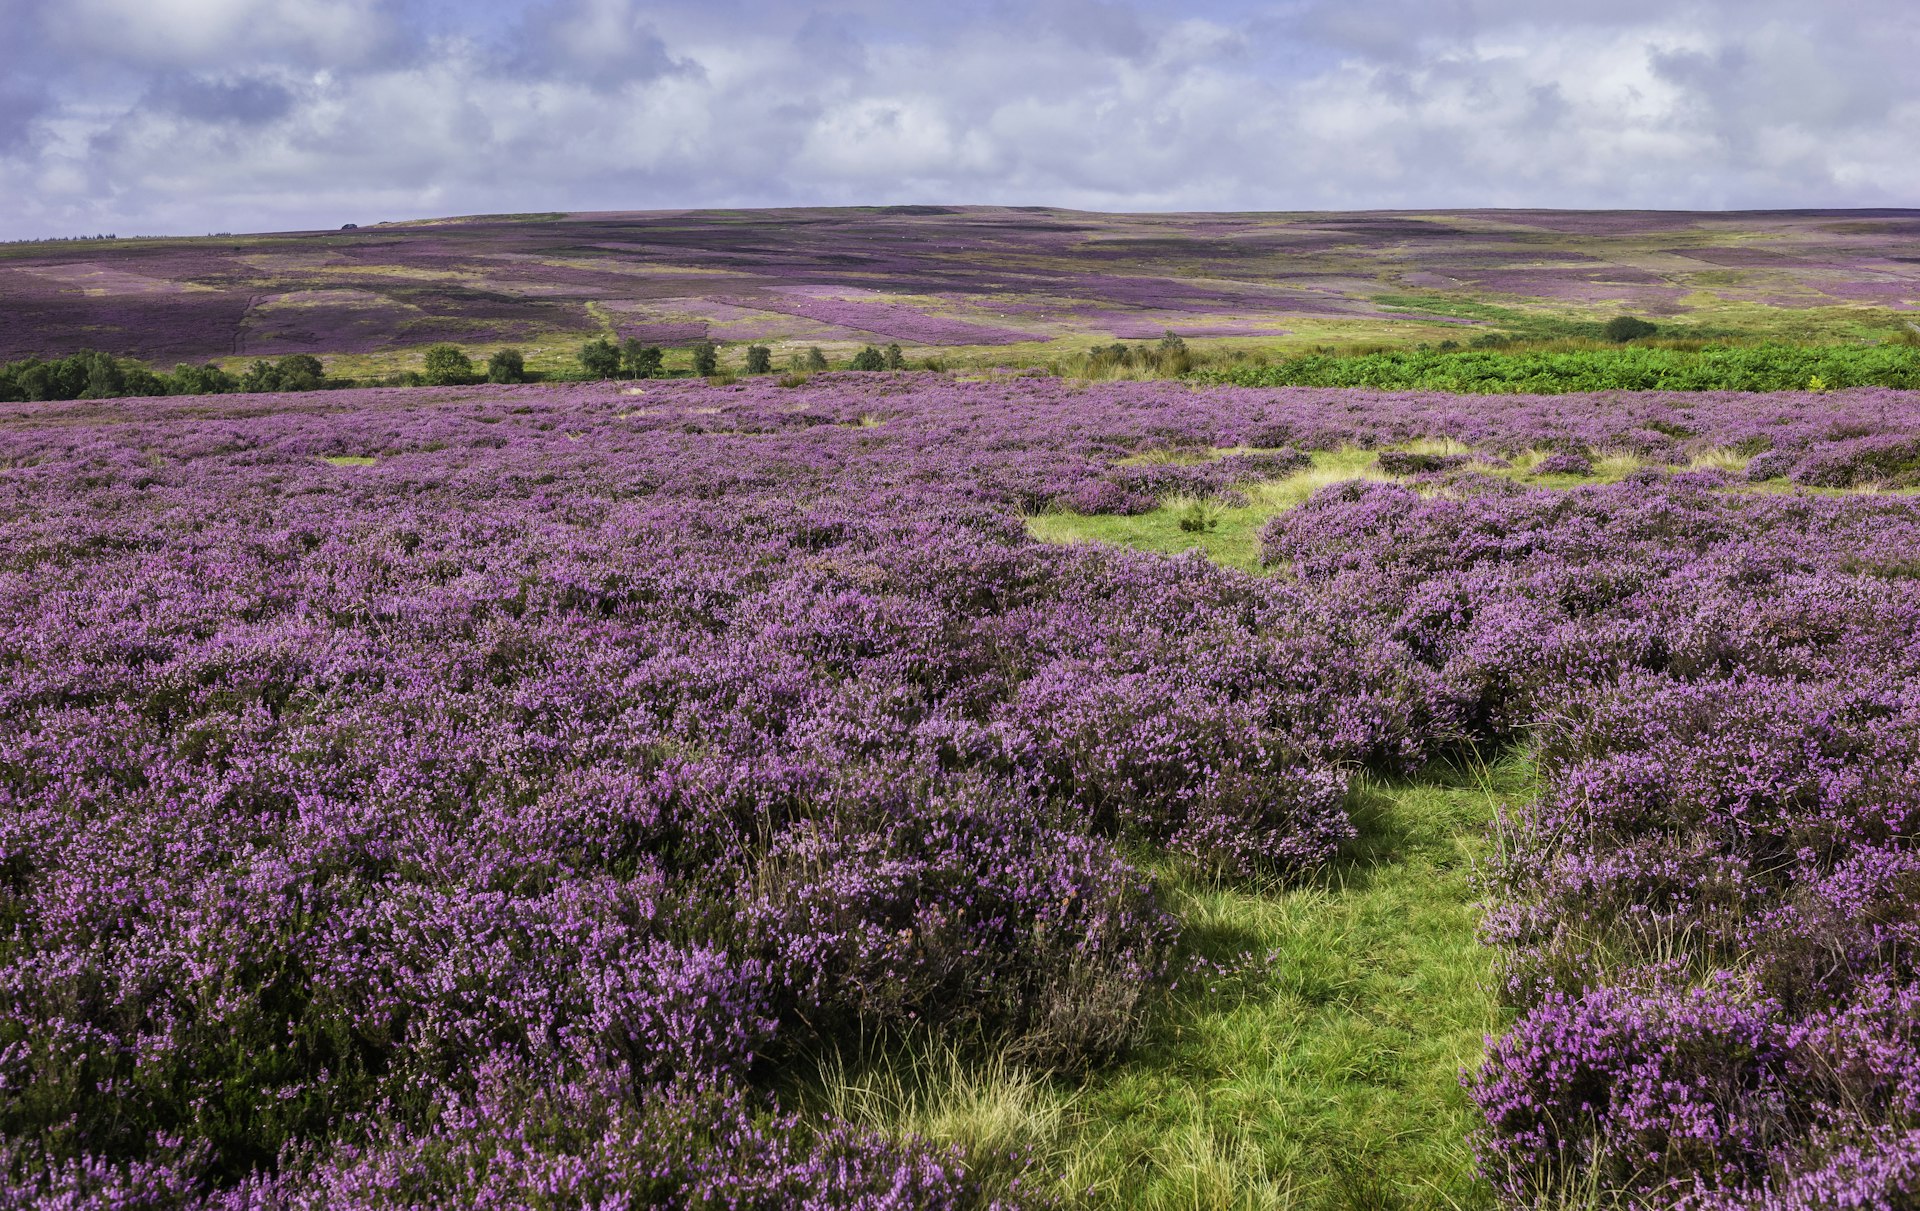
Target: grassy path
[1321,1071]
[1326,1076]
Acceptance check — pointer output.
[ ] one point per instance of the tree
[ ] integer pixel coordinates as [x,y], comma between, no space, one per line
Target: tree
[869,358]
[294,372]
[895,359]
[600,358]
[706,359]
[759,359]
[506,366]
[816,360]
[446,365]
[260,376]
[200,380]
[1623,328]
[640,361]
[301,372]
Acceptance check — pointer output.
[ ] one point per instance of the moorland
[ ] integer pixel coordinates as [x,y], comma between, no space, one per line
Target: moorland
[994,786]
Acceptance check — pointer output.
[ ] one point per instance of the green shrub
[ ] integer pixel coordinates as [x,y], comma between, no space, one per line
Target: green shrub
[759,359]
[1623,328]
[869,358]
[506,366]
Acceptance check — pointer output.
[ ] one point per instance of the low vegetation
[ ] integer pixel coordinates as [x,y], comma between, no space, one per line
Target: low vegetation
[1766,367]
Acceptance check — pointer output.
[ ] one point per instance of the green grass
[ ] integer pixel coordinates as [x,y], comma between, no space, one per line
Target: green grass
[350,460]
[1232,536]
[1327,1077]
[1321,1072]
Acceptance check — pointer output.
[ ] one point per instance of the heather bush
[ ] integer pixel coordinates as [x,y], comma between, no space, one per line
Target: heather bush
[1876,1172]
[1565,462]
[966,905]
[1887,459]
[1770,464]
[1637,1089]
[1407,462]
[1261,464]
[1185,769]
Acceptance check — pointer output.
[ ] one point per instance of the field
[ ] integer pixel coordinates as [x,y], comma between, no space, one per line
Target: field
[907,790]
[970,285]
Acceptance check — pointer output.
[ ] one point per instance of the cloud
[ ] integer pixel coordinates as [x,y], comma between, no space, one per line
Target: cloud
[369,109]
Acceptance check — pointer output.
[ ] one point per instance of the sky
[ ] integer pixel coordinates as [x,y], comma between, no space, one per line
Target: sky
[194,116]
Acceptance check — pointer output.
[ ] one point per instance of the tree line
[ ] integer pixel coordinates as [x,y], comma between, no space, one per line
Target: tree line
[90,374]
[601,358]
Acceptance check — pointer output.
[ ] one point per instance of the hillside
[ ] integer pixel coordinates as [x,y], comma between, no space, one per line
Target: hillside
[1023,281]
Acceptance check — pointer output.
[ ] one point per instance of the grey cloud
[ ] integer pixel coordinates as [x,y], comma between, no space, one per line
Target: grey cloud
[19,108]
[834,43]
[243,101]
[1098,25]
[605,43]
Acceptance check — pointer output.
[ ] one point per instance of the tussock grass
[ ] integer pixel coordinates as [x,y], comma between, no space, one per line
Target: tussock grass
[1435,445]
[1720,458]
[1610,467]
[1001,1114]
[1164,456]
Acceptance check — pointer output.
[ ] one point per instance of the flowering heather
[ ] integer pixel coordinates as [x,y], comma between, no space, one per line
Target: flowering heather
[484,796]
